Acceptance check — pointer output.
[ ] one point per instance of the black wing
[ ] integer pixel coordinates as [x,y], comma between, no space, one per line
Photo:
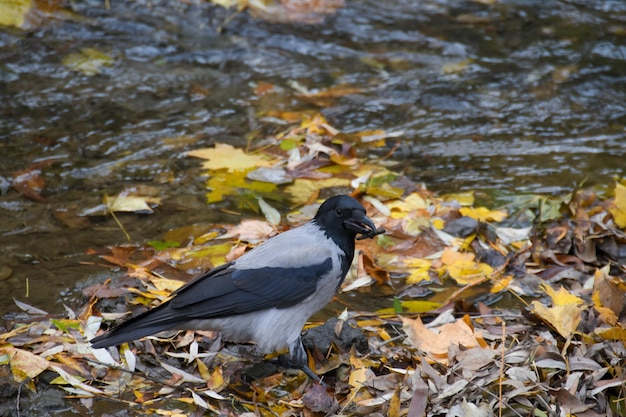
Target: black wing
[232,291]
[222,292]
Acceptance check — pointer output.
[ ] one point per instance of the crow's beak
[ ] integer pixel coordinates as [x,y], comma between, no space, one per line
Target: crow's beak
[363,225]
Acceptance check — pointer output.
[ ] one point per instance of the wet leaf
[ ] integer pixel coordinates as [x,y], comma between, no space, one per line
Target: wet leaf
[271,214]
[410,307]
[228,182]
[13,12]
[28,308]
[24,365]
[224,156]
[272,175]
[29,183]
[128,202]
[302,191]
[89,61]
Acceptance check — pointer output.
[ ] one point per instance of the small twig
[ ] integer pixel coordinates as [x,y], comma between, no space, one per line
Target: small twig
[17,400]
[502,368]
[120,225]
[371,234]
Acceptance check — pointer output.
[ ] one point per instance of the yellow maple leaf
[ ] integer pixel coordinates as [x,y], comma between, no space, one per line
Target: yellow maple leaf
[565,314]
[13,13]
[483,214]
[302,190]
[562,297]
[224,156]
[410,203]
[223,183]
[619,206]
[418,270]
[469,272]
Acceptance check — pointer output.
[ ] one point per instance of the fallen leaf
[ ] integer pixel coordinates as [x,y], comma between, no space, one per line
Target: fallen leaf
[89,61]
[224,156]
[271,214]
[13,12]
[24,364]
[29,183]
[131,203]
[436,342]
[565,315]
[483,214]
[619,206]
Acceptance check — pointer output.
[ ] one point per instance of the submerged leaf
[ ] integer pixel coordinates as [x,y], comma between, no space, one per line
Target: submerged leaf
[89,61]
[13,12]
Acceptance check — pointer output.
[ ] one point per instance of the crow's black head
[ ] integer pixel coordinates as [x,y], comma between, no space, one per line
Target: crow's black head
[342,217]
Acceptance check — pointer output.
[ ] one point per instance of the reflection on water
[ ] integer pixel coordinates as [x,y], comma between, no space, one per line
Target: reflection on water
[519,96]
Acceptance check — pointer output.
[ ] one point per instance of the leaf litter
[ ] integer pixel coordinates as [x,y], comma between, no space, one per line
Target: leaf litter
[508,311]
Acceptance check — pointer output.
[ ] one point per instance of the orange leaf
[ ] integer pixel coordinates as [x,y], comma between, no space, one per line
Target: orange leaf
[436,342]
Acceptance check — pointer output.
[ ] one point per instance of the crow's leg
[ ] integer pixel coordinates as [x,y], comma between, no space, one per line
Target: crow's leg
[298,359]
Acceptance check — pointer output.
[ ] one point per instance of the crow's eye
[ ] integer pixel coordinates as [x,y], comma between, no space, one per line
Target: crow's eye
[338,212]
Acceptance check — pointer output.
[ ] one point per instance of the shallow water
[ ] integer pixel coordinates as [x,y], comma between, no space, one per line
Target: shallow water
[516,97]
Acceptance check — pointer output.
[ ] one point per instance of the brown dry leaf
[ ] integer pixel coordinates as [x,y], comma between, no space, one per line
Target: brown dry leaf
[317,400]
[119,255]
[607,297]
[29,183]
[251,231]
[24,364]
[435,343]
[417,406]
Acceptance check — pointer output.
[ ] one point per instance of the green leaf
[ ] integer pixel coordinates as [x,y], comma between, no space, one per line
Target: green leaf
[397,305]
[160,245]
[65,325]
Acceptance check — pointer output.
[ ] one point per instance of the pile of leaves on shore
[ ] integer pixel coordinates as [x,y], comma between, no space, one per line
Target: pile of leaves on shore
[509,311]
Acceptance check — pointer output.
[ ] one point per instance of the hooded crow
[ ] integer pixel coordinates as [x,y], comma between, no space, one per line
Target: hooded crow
[267,294]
